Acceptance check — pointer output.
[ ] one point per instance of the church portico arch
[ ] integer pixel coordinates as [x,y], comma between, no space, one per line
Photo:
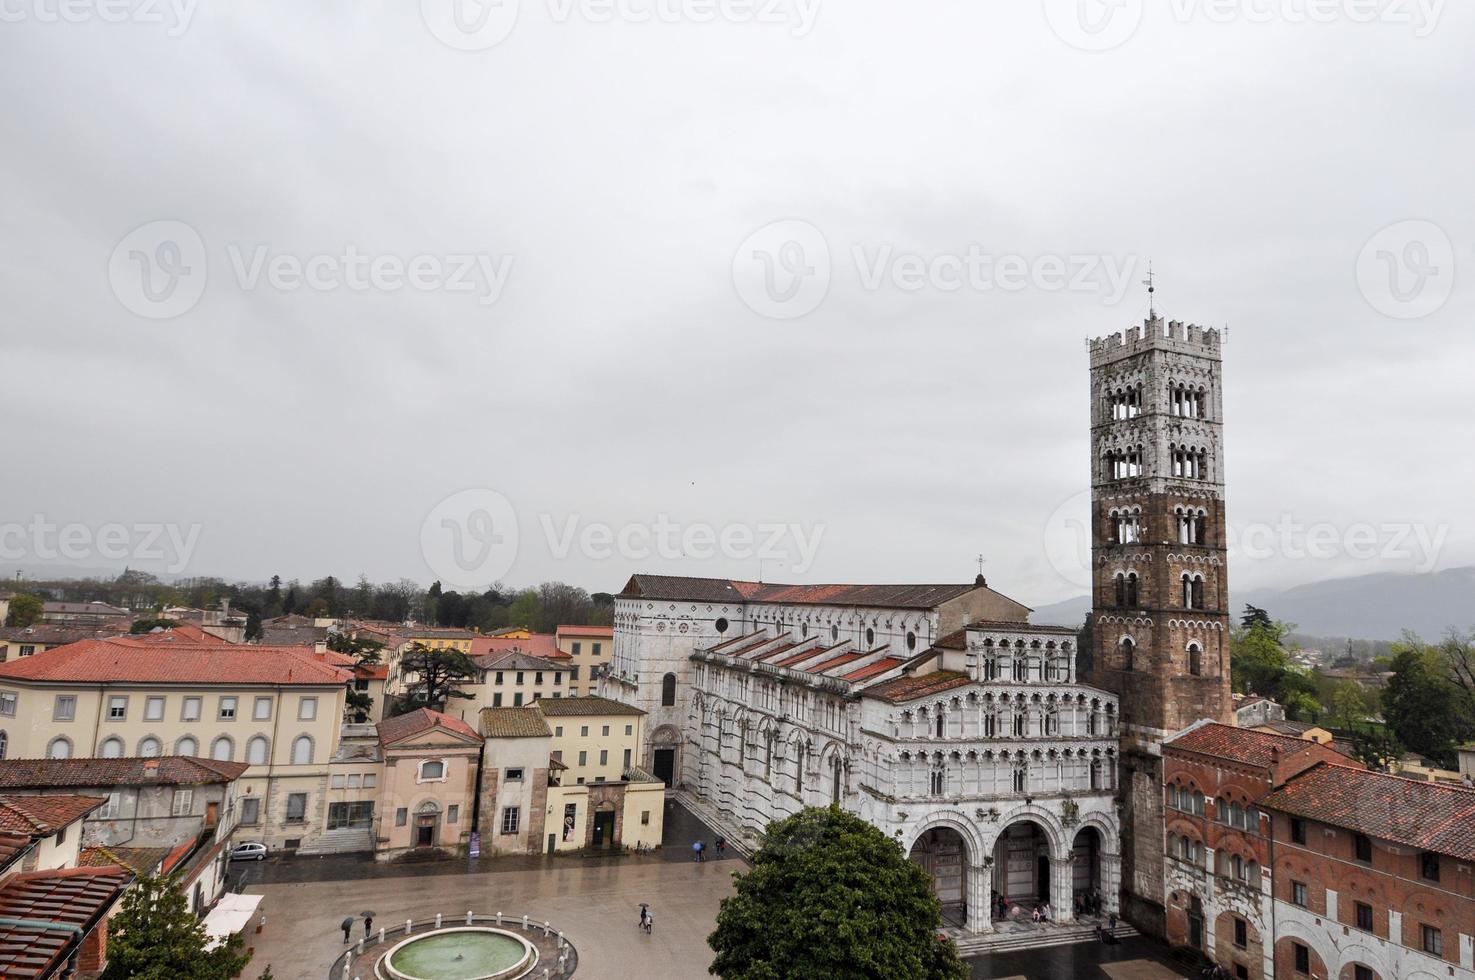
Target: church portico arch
[949,849]
[1033,863]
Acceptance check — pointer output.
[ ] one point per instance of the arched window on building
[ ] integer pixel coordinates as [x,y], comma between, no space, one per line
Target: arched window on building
[221,749]
[668,690]
[1121,589]
[150,748]
[60,748]
[256,751]
[111,748]
[1131,602]
[1195,660]
[1021,777]
[1129,654]
[938,724]
[4,743]
[302,751]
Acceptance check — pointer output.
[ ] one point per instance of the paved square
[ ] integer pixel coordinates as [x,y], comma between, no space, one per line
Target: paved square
[595,903]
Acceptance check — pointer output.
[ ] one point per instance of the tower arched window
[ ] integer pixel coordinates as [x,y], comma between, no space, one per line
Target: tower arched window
[668,690]
[1129,654]
[1131,602]
[1195,659]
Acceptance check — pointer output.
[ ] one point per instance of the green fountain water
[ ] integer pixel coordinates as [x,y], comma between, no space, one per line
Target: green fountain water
[459,955]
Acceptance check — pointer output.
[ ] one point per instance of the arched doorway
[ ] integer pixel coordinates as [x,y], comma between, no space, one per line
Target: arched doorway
[1086,866]
[943,854]
[427,823]
[664,742]
[1022,865]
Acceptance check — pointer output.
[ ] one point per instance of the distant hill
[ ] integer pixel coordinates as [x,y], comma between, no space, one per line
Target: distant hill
[1371,607]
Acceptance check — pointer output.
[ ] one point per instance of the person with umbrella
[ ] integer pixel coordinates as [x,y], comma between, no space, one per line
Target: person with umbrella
[368,923]
[644,911]
[347,929]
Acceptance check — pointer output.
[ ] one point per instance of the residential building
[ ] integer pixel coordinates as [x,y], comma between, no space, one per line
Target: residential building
[531,802]
[589,649]
[1286,859]
[510,680]
[53,914]
[1253,710]
[277,709]
[428,796]
[27,641]
[81,613]
[597,738]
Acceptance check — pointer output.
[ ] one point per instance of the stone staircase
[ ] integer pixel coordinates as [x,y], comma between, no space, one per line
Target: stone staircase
[737,841]
[346,841]
[1031,937]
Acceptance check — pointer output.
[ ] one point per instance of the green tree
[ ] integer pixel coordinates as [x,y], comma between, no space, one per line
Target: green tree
[25,609]
[1255,616]
[830,897]
[435,676]
[1349,705]
[254,630]
[361,648]
[154,936]
[1424,706]
[149,625]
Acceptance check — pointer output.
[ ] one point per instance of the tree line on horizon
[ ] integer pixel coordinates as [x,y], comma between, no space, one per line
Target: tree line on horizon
[540,608]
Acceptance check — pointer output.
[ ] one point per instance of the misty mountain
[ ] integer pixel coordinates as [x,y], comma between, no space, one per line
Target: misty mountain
[1372,607]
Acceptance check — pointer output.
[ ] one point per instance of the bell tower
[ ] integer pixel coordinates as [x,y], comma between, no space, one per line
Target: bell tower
[1159,586]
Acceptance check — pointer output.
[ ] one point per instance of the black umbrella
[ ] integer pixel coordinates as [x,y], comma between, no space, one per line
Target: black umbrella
[367,915]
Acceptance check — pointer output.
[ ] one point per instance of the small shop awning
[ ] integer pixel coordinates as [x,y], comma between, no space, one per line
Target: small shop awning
[229,916]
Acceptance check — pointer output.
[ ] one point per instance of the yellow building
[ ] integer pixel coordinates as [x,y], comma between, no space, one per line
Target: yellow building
[531,801]
[596,738]
[589,649]
[278,709]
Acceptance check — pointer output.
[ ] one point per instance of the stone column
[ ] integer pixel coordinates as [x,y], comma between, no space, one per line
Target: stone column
[980,886]
[1062,892]
[1111,882]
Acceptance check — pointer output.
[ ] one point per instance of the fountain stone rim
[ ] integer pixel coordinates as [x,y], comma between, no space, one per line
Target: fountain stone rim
[522,968]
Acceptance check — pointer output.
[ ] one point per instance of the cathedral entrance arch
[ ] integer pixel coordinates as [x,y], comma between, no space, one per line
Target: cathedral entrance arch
[1022,866]
[943,853]
[664,743]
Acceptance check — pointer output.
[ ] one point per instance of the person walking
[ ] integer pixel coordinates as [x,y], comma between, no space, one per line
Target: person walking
[347,930]
[721,847]
[368,925]
[644,911]
[650,920]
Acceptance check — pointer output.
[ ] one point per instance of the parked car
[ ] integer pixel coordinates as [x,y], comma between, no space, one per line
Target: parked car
[249,851]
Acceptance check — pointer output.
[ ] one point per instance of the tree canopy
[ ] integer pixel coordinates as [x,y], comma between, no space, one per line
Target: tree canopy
[154,936]
[830,897]
[1425,704]
[435,676]
[25,609]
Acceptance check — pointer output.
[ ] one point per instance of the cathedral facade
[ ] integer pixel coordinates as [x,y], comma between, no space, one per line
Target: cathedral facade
[939,713]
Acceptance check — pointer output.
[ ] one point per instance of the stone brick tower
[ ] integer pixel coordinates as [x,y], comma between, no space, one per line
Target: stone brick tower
[1159,588]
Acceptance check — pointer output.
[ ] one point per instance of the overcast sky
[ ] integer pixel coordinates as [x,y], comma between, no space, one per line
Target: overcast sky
[608,330]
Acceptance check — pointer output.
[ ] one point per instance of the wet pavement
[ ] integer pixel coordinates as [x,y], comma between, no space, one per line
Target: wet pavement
[1132,959]
[594,901]
[680,830]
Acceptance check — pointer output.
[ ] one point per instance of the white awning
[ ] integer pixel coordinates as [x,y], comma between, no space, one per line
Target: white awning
[230,915]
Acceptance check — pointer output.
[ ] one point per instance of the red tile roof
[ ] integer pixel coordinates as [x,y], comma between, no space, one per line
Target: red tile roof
[536,645]
[86,773]
[78,897]
[735,590]
[133,660]
[183,633]
[871,670]
[1242,745]
[42,816]
[918,686]
[139,860]
[520,661]
[518,722]
[53,634]
[584,630]
[420,721]
[13,847]
[1430,816]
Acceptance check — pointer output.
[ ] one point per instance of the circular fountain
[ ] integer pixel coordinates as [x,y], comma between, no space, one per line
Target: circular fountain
[463,953]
